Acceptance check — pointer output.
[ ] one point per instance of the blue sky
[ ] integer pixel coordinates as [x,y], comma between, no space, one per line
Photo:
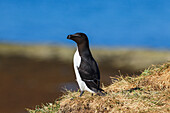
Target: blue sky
[133,23]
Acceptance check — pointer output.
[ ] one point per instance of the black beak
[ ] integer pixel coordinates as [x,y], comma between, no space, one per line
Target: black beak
[69,37]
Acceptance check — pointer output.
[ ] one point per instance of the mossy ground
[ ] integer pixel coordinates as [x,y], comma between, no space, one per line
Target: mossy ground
[148,92]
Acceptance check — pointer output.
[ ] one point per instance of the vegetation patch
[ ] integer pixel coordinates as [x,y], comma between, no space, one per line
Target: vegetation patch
[148,92]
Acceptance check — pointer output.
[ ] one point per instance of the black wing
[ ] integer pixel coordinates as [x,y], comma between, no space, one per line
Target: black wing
[90,74]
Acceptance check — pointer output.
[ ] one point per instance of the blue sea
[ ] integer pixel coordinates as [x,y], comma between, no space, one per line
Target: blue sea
[115,23]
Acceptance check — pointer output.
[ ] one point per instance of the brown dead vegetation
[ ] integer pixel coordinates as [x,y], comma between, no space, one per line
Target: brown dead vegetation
[148,92]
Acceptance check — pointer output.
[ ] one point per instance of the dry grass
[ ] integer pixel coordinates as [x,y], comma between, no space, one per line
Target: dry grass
[149,92]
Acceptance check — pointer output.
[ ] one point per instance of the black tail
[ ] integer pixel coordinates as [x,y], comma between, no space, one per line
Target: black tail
[101,92]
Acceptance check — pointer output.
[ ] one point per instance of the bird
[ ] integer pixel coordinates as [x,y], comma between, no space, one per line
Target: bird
[85,67]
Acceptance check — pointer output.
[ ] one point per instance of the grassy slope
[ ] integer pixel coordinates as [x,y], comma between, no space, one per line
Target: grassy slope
[149,92]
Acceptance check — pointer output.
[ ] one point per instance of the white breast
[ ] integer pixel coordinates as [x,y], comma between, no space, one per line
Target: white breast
[77,59]
[77,62]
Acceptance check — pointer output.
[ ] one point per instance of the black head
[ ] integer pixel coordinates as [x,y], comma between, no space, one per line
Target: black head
[79,38]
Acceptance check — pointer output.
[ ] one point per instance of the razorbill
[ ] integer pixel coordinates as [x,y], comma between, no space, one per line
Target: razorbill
[85,67]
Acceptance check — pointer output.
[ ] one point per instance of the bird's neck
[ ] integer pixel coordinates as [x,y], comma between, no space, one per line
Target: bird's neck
[84,49]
